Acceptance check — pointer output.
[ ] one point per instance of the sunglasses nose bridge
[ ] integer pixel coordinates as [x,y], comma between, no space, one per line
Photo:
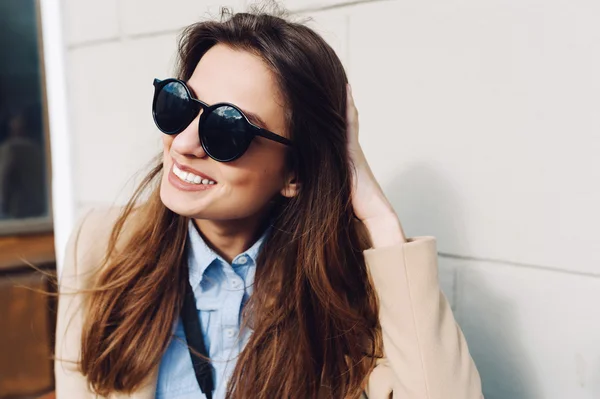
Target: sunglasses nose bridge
[197,104]
[188,141]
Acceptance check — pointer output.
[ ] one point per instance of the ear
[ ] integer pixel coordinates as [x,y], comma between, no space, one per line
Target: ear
[291,187]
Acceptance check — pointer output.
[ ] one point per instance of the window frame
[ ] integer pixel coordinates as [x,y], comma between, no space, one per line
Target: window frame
[41,224]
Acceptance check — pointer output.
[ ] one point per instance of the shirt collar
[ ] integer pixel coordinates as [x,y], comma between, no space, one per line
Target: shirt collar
[200,255]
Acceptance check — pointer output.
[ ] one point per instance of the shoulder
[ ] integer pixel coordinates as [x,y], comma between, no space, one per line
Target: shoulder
[95,226]
[89,240]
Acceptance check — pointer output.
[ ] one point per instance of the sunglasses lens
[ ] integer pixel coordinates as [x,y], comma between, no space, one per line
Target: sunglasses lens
[173,110]
[224,133]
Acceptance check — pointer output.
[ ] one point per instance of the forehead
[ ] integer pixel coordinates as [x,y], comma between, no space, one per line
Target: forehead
[225,74]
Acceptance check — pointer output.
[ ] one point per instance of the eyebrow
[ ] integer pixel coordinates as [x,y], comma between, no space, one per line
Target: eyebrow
[255,118]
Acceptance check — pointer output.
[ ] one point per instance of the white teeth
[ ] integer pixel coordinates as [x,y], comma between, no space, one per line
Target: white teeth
[190,177]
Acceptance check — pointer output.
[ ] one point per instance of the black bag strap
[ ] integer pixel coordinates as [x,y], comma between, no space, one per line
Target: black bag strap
[195,340]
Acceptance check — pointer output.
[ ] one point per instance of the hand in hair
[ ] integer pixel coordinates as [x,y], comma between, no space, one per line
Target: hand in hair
[368,200]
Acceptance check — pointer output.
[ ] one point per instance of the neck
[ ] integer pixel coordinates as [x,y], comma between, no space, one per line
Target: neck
[229,238]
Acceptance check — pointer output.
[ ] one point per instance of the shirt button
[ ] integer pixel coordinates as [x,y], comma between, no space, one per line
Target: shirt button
[235,283]
[229,333]
[243,260]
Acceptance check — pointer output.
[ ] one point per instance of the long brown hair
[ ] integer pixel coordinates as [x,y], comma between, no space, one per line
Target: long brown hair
[314,312]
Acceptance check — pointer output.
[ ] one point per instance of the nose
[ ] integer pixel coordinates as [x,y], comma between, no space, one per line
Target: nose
[187,142]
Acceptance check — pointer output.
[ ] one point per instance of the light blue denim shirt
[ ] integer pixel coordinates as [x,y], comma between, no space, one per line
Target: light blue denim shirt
[221,290]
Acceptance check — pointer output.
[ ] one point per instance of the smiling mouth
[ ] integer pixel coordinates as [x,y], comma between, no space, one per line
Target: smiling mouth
[191,178]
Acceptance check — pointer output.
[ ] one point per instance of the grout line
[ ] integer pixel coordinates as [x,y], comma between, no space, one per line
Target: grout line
[155,33]
[120,19]
[335,6]
[519,264]
[91,43]
[123,37]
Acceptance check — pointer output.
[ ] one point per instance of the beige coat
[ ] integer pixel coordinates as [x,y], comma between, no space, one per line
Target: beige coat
[426,355]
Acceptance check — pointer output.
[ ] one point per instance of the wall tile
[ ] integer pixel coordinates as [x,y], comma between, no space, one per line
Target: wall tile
[533,333]
[332,26]
[296,5]
[479,120]
[151,16]
[89,21]
[111,96]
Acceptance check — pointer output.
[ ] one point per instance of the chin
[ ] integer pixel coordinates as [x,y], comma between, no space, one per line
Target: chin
[172,200]
[182,204]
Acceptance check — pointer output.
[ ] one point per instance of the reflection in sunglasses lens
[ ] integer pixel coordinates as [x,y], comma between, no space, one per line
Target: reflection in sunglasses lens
[224,133]
[172,108]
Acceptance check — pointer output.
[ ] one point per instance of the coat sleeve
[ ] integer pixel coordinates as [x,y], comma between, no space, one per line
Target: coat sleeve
[426,355]
[69,382]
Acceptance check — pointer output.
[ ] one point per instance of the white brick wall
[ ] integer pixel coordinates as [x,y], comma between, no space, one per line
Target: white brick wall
[88,21]
[149,16]
[480,119]
[111,96]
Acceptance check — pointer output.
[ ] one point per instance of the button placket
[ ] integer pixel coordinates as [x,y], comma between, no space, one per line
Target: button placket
[232,305]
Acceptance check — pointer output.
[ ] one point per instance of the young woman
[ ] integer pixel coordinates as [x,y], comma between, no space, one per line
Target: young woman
[264,242]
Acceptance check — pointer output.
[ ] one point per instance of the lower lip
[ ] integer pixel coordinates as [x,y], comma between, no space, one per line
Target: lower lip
[185,186]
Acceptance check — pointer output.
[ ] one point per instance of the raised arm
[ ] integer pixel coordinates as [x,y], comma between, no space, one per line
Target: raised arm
[426,355]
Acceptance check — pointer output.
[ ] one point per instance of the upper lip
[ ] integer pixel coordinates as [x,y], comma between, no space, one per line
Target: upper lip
[192,170]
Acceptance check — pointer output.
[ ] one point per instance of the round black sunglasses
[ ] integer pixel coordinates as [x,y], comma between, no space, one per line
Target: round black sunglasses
[225,131]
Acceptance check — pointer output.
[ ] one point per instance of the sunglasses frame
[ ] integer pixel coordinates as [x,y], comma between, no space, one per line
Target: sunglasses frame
[252,129]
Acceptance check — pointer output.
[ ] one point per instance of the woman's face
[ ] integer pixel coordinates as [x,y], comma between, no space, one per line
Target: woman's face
[244,187]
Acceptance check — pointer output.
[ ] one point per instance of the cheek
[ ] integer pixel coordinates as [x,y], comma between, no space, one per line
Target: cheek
[255,180]
[245,188]
[263,165]
[167,142]
[255,184]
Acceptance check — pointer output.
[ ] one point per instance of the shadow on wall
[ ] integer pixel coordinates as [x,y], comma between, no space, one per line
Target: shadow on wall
[427,204]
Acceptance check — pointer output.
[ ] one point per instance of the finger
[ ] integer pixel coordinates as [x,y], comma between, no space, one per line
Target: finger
[351,111]
[349,93]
